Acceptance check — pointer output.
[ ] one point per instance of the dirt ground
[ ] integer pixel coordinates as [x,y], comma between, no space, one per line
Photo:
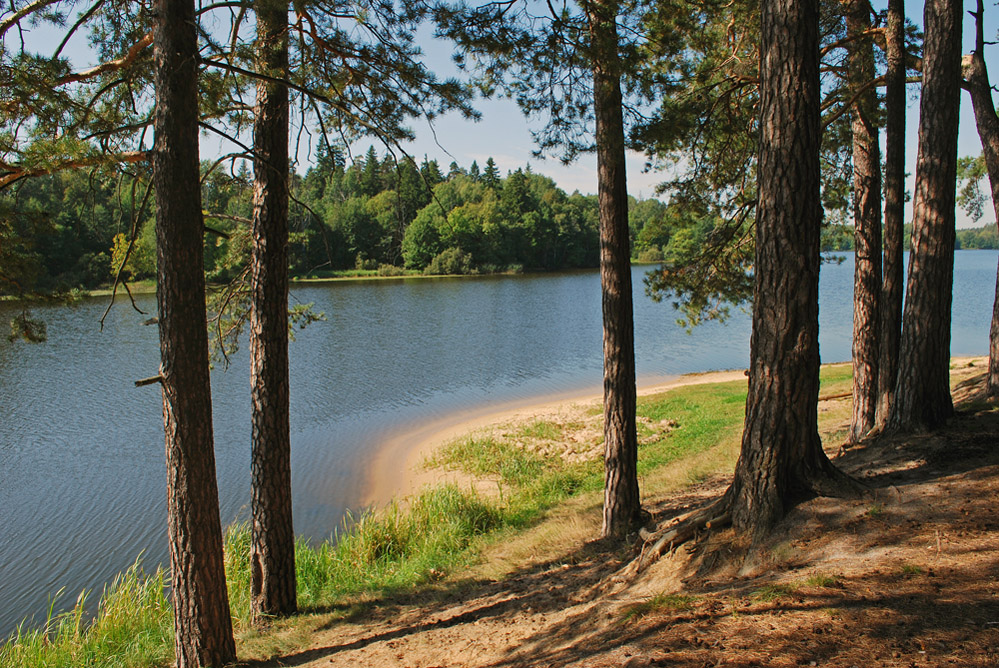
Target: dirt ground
[906,577]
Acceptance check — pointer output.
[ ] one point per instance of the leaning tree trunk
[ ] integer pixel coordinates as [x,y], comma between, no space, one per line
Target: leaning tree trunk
[977,83]
[272,551]
[622,505]
[922,397]
[200,601]
[866,221]
[782,460]
[894,242]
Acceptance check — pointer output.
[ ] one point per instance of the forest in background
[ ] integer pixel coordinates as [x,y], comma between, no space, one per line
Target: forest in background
[382,215]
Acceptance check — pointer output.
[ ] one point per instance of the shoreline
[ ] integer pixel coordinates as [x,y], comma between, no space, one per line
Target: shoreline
[396,471]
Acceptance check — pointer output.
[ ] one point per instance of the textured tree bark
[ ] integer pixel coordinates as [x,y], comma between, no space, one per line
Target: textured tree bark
[891,287]
[976,75]
[200,601]
[866,221]
[922,396]
[622,506]
[782,460]
[272,551]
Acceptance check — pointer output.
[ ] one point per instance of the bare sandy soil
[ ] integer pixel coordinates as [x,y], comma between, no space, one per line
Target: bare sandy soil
[906,577]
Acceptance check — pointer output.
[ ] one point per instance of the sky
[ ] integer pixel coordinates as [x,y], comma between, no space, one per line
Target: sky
[505,135]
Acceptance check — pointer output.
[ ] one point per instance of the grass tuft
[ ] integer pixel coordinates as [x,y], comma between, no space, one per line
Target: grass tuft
[822,580]
[660,603]
[773,592]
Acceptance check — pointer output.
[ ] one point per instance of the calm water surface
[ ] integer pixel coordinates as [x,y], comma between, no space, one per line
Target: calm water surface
[82,474]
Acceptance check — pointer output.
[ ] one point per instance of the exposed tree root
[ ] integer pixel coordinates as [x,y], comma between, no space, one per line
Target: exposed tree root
[677,532]
[830,482]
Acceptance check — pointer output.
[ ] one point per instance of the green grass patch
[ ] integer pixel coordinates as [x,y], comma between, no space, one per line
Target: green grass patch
[773,592]
[492,457]
[542,429]
[660,603]
[822,580]
[379,553]
[530,483]
[705,414]
[133,628]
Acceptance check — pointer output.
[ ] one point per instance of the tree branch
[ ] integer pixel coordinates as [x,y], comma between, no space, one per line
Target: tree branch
[16,173]
[109,66]
[16,17]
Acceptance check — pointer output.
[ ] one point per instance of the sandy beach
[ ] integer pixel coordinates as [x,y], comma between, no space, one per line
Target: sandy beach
[397,471]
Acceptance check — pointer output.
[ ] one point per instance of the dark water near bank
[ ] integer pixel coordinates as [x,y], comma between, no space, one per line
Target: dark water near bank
[82,478]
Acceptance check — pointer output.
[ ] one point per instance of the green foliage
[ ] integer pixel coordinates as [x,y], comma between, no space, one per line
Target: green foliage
[448,262]
[70,230]
[981,238]
[133,628]
[706,266]
[970,197]
[703,132]
[836,237]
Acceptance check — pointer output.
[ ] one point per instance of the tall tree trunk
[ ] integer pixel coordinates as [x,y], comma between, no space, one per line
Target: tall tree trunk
[976,75]
[866,222]
[922,397]
[622,506]
[891,290]
[272,551]
[782,460]
[200,601]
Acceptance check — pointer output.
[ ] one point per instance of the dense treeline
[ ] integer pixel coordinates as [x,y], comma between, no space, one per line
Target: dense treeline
[377,214]
[840,238]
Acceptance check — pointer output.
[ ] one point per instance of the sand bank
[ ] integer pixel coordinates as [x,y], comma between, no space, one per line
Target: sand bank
[396,471]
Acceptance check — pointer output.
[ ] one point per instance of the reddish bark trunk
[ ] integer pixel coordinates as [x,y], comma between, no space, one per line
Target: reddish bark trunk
[922,397]
[782,460]
[977,82]
[272,551]
[891,290]
[622,506]
[867,223]
[200,601]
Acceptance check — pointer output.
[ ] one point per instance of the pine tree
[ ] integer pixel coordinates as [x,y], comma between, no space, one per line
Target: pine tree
[200,602]
[866,220]
[922,396]
[978,85]
[491,175]
[894,210]
[272,545]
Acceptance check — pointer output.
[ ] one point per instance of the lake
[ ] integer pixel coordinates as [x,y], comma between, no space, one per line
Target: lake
[82,492]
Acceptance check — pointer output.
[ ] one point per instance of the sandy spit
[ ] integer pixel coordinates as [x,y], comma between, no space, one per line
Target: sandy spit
[397,473]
